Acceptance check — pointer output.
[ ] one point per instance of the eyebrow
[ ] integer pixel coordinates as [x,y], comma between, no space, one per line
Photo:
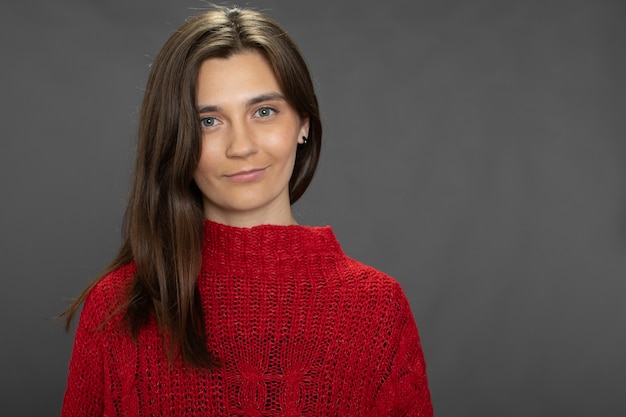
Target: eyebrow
[254,100]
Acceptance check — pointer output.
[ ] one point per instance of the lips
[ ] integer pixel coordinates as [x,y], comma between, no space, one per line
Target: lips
[247,176]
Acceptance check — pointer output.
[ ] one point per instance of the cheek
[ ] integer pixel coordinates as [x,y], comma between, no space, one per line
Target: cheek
[203,170]
[285,141]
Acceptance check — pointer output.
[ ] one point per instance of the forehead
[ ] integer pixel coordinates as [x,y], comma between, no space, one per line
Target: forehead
[237,77]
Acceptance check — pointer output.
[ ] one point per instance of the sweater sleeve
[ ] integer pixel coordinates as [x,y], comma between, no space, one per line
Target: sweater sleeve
[405,392]
[84,394]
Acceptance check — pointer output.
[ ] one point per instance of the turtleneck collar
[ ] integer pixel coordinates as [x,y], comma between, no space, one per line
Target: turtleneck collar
[223,243]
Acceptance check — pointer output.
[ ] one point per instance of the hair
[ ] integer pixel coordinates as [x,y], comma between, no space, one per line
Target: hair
[163,225]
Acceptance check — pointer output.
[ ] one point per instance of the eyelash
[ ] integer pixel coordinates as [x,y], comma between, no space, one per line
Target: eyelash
[272,111]
[212,120]
[204,120]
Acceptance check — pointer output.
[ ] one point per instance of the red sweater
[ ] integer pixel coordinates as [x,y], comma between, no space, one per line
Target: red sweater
[301,329]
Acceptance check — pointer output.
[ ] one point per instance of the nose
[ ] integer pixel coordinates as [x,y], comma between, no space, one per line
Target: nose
[242,142]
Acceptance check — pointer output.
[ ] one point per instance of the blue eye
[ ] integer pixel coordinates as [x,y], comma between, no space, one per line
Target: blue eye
[265,112]
[208,121]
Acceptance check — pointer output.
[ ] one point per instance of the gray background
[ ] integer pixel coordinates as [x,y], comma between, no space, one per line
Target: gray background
[473,149]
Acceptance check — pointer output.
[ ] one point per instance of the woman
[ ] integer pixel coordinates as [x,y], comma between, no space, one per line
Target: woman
[218,303]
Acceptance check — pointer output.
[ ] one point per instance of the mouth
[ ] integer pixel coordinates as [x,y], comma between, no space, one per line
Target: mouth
[246,176]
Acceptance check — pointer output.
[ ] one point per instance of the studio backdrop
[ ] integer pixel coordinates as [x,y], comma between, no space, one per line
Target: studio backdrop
[474,150]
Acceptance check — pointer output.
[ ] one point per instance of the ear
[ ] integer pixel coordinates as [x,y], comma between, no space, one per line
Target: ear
[304,130]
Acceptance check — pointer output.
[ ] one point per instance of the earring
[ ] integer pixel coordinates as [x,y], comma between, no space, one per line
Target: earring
[304,140]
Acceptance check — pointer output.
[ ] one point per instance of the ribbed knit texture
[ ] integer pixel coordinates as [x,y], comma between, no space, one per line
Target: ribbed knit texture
[301,329]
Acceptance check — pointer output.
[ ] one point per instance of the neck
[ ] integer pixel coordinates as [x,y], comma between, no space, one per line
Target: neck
[275,212]
[251,219]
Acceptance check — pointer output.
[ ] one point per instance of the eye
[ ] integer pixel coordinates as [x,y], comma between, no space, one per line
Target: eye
[265,112]
[208,122]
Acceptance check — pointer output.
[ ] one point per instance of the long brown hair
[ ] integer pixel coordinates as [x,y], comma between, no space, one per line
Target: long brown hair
[162,230]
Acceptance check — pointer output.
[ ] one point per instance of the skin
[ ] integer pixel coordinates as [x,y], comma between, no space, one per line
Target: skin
[250,134]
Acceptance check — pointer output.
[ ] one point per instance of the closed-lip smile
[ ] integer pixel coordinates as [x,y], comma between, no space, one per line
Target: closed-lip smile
[248,175]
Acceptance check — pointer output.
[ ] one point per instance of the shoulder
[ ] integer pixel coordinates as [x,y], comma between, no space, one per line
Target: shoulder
[113,283]
[369,281]
[368,275]
[106,296]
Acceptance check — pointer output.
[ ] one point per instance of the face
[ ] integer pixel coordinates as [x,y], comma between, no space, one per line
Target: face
[250,134]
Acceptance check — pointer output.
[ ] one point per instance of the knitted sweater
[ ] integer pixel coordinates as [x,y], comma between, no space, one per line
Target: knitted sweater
[300,329]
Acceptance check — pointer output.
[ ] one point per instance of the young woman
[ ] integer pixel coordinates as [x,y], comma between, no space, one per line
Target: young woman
[218,303]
